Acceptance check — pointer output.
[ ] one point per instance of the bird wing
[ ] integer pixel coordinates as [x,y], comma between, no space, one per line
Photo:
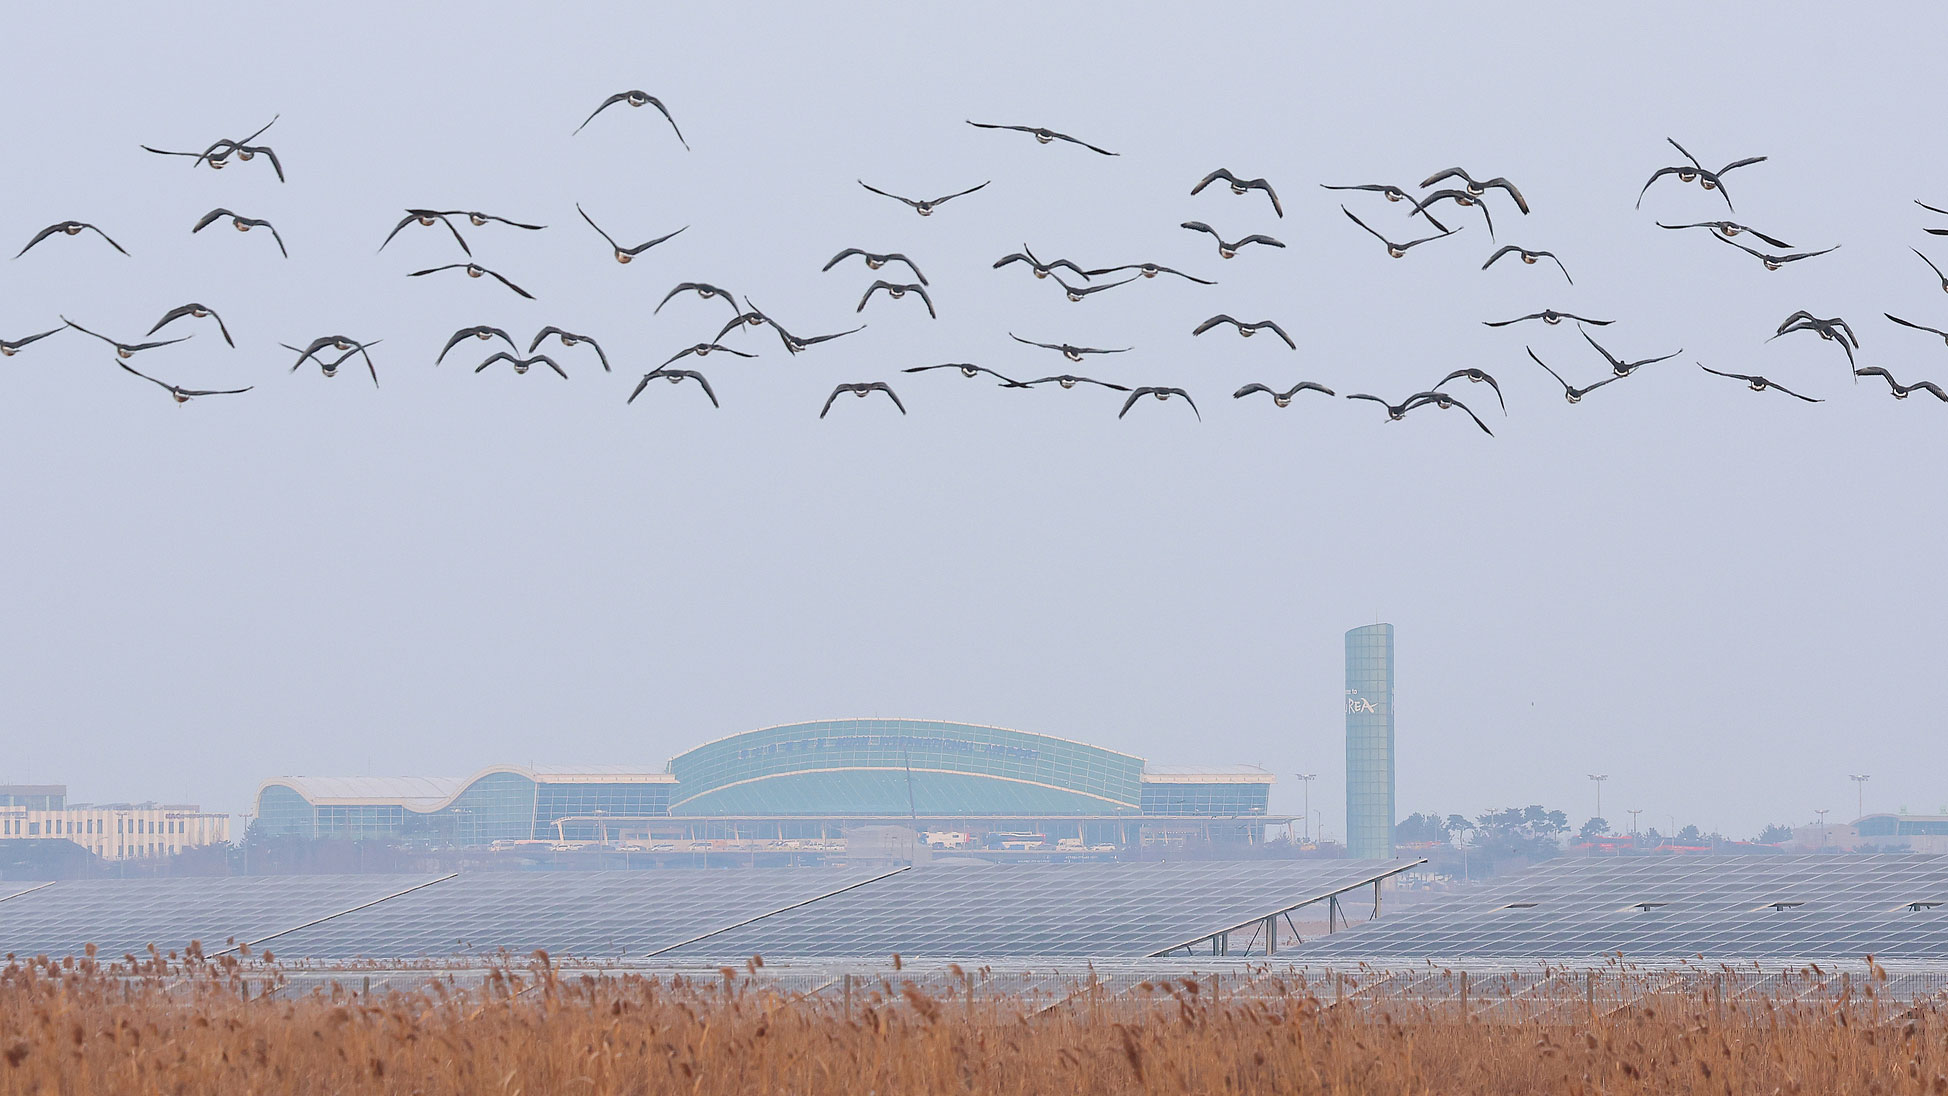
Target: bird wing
[1551,256]
[1877,371]
[1279,331]
[642,247]
[1607,356]
[459,337]
[1031,342]
[550,363]
[1256,238]
[1188,400]
[957,194]
[1084,144]
[1181,274]
[280,240]
[644,383]
[1807,254]
[139,347]
[1249,389]
[170,317]
[1545,365]
[597,227]
[1931,388]
[1444,234]
[597,347]
[883,194]
[1498,254]
[396,229]
[515,224]
[1788,391]
[1931,266]
[896,257]
[510,285]
[1200,226]
[144,376]
[271,156]
[1747,162]
[18,343]
[1734,376]
[606,104]
[436,270]
[868,294]
[993,125]
[1685,154]
[1450,173]
[1505,323]
[814,340]
[1220,173]
[1213,322]
[1363,224]
[1131,402]
[106,236]
[922,291]
[707,390]
[1768,239]
[1656,175]
[1916,326]
[211,391]
[837,259]
[1314,386]
[1472,415]
[85,331]
[1375,399]
[1740,246]
[890,394]
[542,334]
[42,235]
[1521,203]
[658,104]
[830,398]
[209,218]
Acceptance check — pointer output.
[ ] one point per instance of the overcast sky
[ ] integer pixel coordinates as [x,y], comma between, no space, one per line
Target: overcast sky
[1725,600]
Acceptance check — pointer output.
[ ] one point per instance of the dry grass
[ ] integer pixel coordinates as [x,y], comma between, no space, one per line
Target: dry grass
[207,1026]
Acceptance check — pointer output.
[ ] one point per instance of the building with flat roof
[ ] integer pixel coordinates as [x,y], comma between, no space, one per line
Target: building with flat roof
[1369,742]
[111,831]
[805,781]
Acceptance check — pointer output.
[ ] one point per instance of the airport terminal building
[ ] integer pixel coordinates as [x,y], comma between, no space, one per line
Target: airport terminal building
[802,781]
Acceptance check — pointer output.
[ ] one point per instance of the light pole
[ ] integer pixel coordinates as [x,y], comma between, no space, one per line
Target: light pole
[1598,781]
[1307,779]
[1860,793]
[1633,820]
[1822,816]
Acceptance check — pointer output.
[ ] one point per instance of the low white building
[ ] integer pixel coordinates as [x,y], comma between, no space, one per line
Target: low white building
[111,831]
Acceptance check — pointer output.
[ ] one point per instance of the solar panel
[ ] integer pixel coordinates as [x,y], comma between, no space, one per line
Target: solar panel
[127,915]
[569,914]
[1731,907]
[990,910]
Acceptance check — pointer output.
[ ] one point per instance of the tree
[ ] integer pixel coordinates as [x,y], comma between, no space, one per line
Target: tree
[1774,834]
[1593,829]
[1421,829]
[1689,835]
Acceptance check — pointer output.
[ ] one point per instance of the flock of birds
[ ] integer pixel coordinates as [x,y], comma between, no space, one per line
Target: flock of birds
[1463,194]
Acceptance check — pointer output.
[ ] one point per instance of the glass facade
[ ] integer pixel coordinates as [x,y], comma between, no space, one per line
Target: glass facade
[1369,742]
[1206,799]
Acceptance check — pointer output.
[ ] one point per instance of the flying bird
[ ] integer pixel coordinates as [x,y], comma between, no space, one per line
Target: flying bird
[482,332]
[1391,194]
[874,261]
[1530,258]
[1230,250]
[1073,353]
[1474,376]
[1548,316]
[1460,198]
[1730,228]
[703,350]
[862,391]
[473,271]
[221,149]
[195,312]
[1758,384]
[1443,401]
[896,292]
[1041,269]
[793,343]
[1070,380]
[1161,394]
[1569,391]
[1245,329]
[1833,330]
[1147,270]
[1710,180]
[1623,368]
[10,347]
[1916,326]
[624,254]
[1080,293]
[1240,186]
[1282,399]
[68,228]
[970,370]
[481,220]
[1477,189]
[184,395]
[635,99]
[1936,269]
[346,348]
[427,218]
[241,224]
[1045,136]
[1774,262]
[1398,251]
[569,338]
[924,207]
[122,350]
[1902,391]
[702,289]
[674,376]
[522,365]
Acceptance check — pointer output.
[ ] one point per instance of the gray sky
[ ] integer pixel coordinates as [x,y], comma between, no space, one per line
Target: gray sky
[1725,600]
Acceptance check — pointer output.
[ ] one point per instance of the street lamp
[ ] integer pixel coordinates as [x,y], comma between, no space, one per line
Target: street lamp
[1307,779]
[1860,793]
[1633,820]
[1598,780]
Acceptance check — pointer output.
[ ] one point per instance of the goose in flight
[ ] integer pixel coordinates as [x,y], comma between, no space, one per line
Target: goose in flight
[862,391]
[674,376]
[1833,330]
[793,343]
[1398,411]
[483,332]
[10,347]
[625,254]
[68,228]
[1694,171]
[184,395]
[569,338]
[522,365]
[473,271]
[924,207]
[1549,316]
[1073,353]
[1398,251]
[1758,384]
[241,224]
[1623,368]
[1160,394]
[969,370]
[1902,391]
[1478,189]
[636,99]
[1146,270]
[1774,262]
[1229,250]
[194,312]
[1391,194]
[875,260]
[1245,329]
[1041,269]
[1474,376]
[122,350]
[1729,228]
[702,289]
[1045,135]
[1282,399]
[346,348]
[220,149]
[1569,391]
[427,218]
[1460,198]
[896,292]
[1240,186]
[1530,258]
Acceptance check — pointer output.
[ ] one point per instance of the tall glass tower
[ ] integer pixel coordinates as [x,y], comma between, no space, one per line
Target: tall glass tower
[1369,742]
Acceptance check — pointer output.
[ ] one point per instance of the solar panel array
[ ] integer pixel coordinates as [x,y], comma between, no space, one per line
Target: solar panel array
[1722,907]
[980,909]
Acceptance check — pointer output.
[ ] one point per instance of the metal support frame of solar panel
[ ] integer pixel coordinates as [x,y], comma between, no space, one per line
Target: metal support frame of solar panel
[122,916]
[986,910]
[1733,907]
[567,914]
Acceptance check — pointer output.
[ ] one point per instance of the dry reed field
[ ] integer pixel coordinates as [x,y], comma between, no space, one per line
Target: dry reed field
[237,1024]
